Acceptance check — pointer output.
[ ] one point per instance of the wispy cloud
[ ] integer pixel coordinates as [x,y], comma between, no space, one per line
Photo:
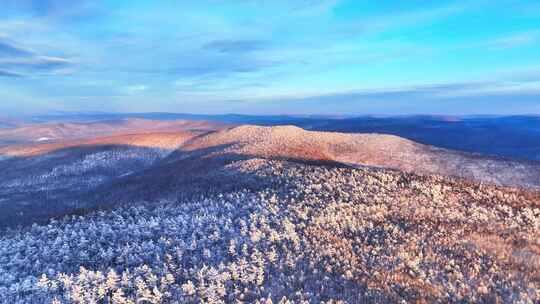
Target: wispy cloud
[529,74]
[278,52]
[9,74]
[16,60]
[456,98]
[47,8]
[236,46]
[390,21]
[135,89]
[8,49]
[410,93]
[515,40]
[33,64]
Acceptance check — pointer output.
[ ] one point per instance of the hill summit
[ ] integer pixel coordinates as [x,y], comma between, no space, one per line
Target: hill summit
[376,150]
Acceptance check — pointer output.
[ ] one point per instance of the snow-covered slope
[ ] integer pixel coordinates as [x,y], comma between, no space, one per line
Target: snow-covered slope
[386,151]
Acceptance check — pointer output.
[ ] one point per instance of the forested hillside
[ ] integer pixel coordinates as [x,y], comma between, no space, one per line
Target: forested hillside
[313,234]
[249,215]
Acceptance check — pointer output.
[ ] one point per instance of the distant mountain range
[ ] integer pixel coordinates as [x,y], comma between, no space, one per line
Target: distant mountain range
[54,131]
[505,136]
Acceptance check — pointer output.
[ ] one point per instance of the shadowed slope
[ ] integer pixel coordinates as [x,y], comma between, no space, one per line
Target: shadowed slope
[39,181]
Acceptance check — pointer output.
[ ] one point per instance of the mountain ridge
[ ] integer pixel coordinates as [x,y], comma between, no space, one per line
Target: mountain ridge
[379,150]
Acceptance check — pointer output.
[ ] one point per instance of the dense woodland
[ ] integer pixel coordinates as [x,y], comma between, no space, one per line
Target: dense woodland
[314,234]
[33,188]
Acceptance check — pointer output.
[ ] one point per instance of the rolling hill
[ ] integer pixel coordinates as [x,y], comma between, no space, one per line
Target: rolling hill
[376,150]
[88,173]
[265,215]
[163,140]
[59,131]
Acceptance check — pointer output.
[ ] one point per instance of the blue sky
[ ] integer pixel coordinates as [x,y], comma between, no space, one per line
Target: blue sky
[270,57]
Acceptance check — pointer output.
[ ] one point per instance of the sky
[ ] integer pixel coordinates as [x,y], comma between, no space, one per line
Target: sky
[331,57]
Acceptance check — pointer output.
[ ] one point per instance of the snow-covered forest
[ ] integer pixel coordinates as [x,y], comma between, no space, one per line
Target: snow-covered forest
[34,187]
[313,235]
